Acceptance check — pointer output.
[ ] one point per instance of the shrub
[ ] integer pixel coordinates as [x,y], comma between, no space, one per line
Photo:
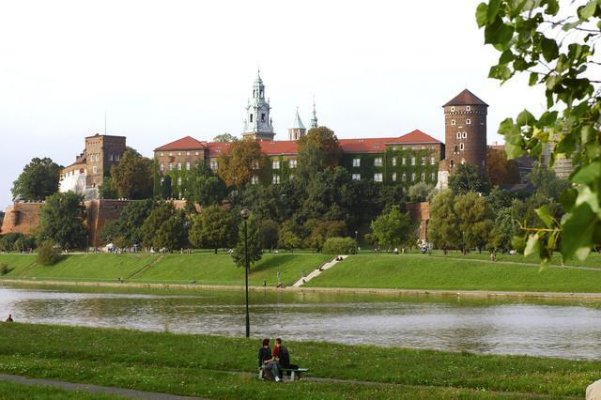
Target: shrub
[4,269]
[340,245]
[48,254]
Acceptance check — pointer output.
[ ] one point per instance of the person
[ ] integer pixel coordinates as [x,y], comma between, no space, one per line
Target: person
[267,362]
[10,318]
[281,354]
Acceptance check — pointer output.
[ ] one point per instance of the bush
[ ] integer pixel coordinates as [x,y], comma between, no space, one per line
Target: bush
[4,269]
[48,254]
[340,245]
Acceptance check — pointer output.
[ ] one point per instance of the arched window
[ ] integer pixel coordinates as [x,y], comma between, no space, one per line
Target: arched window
[251,118]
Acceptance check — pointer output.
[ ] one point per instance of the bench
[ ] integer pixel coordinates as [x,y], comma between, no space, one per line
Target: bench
[295,374]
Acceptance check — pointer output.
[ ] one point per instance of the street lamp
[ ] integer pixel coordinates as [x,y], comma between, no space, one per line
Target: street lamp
[356,243]
[245,213]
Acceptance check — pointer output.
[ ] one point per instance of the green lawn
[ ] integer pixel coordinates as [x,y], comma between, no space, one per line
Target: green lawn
[223,368]
[199,267]
[16,391]
[420,271]
[593,260]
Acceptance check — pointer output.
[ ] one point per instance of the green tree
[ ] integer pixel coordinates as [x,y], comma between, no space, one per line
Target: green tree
[130,221]
[225,138]
[243,158]
[420,191]
[504,230]
[467,179]
[269,234]
[159,215]
[443,229]
[61,220]
[554,44]
[166,187]
[475,220]
[213,228]
[204,187]
[173,232]
[545,182]
[39,179]
[317,150]
[107,190]
[391,229]
[289,239]
[132,177]
[48,253]
[255,252]
[320,231]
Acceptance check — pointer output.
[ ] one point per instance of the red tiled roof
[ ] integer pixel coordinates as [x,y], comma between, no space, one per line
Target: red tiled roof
[185,143]
[378,145]
[280,147]
[465,98]
[217,148]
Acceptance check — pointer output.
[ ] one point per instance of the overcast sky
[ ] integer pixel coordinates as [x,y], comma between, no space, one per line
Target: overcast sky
[166,69]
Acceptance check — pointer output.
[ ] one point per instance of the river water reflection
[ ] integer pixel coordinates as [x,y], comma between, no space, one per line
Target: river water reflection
[566,331]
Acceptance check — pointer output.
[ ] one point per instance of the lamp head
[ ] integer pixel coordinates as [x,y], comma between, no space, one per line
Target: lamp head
[245,213]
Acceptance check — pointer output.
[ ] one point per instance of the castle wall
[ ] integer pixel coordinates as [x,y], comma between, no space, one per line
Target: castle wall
[22,218]
[420,213]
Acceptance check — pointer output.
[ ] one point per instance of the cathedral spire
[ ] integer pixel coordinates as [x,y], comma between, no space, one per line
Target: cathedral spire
[258,122]
[314,118]
[297,130]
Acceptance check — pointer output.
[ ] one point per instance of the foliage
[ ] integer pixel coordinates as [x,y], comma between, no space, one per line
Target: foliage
[419,191]
[474,220]
[130,221]
[166,187]
[442,229]
[545,182]
[39,179]
[204,187]
[237,166]
[318,150]
[320,230]
[164,228]
[289,239]
[467,178]
[269,234]
[61,220]
[132,177]
[48,253]
[213,228]
[499,169]
[340,245]
[225,138]
[15,241]
[107,190]
[505,228]
[555,45]
[391,229]
[248,229]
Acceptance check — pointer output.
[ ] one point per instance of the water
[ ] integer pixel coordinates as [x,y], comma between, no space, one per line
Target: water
[555,330]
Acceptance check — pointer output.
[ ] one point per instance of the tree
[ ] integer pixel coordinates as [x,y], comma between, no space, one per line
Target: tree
[132,177]
[391,229]
[420,191]
[39,179]
[467,179]
[173,232]
[545,182]
[320,231]
[289,239]
[213,228]
[317,151]
[555,46]
[255,252]
[107,190]
[159,215]
[443,229]
[504,230]
[166,187]
[129,224]
[61,220]
[237,166]
[225,138]
[499,169]
[204,187]
[475,220]
[269,234]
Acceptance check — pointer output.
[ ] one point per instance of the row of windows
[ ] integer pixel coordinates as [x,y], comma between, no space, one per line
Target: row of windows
[378,177]
[179,153]
[378,161]
[173,166]
[467,122]
[461,135]
[467,108]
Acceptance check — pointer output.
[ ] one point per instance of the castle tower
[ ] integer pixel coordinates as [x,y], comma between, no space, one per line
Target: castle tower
[465,131]
[314,118]
[297,130]
[258,123]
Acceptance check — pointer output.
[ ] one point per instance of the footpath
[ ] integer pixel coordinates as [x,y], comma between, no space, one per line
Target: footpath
[315,273]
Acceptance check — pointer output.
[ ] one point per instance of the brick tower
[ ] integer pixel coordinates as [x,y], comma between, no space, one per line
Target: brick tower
[465,131]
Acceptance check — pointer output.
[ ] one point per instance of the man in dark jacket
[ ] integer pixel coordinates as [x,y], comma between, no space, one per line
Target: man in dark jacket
[267,362]
[281,354]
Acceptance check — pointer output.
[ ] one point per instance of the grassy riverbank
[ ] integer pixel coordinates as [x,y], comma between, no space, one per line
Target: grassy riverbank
[224,368]
[419,271]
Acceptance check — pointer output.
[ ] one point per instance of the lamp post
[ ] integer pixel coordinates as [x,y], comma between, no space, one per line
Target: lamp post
[245,213]
[356,243]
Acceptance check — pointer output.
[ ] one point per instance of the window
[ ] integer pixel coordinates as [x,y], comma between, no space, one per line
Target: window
[468,121]
[162,167]
[423,160]
[254,180]
[356,177]
[378,161]
[214,165]
[464,135]
[291,176]
[110,157]
[394,176]
[179,181]
[413,177]
[423,177]
[94,169]
[461,146]
[378,177]
[394,161]
[179,153]
[179,166]
[188,165]
[458,135]
[117,157]
[468,108]
[412,160]
[196,153]
[456,150]
[188,153]
[170,154]
[255,164]
[276,179]
[292,163]
[433,178]
[452,109]
[453,122]
[403,161]
[262,117]
[432,160]
[251,118]
[356,162]
[171,166]
[161,154]
[275,165]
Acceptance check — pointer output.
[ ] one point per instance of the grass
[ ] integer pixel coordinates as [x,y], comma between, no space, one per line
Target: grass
[199,267]
[16,391]
[223,368]
[420,271]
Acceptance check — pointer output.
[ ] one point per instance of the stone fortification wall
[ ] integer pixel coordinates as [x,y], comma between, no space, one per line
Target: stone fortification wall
[420,213]
[22,218]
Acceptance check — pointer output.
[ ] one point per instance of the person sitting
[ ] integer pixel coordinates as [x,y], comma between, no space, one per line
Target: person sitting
[267,362]
[10,318]
[281,354]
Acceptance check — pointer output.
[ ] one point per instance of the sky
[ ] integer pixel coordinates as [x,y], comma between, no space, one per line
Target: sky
[162,70]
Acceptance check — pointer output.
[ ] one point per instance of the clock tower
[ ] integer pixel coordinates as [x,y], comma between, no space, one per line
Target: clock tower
[258,124]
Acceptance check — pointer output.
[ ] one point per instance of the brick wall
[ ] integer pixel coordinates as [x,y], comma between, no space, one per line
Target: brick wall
[420,213]
[22,218]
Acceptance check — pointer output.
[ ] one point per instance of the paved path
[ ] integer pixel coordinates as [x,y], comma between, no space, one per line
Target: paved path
[318,271]
[84,387]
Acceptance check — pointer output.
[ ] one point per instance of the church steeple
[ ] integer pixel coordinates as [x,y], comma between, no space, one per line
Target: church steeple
[258,124]
[314,118]
[297,130]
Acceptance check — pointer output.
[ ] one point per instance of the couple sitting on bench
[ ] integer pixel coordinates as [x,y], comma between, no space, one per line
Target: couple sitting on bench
[272,364]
